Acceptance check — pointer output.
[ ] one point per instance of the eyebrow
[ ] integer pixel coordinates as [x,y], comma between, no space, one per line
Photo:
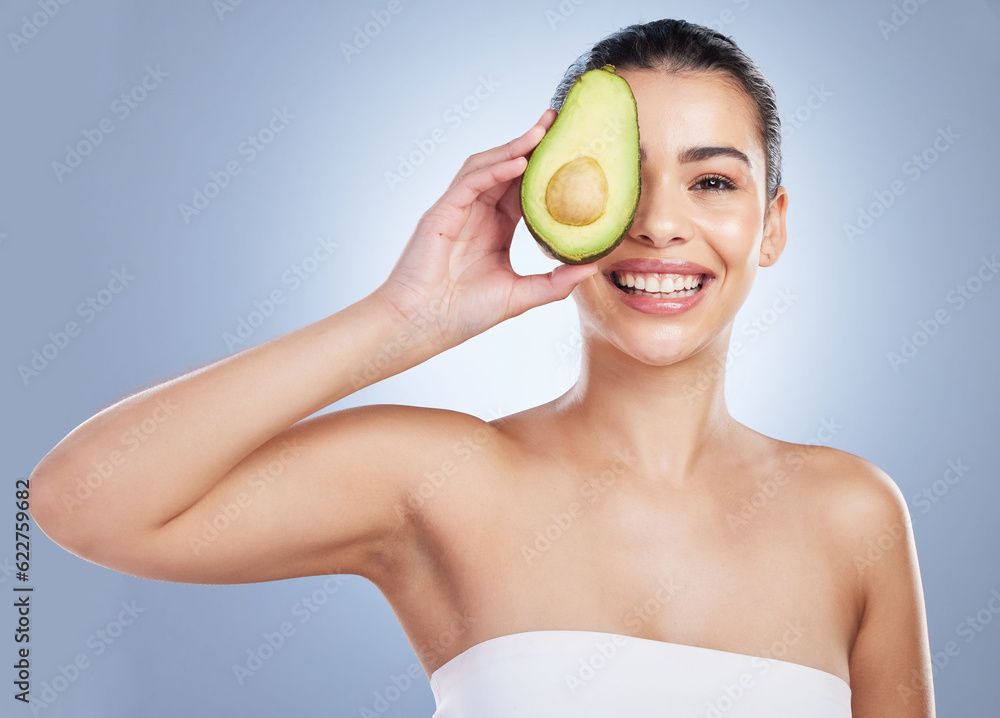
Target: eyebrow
[698,154]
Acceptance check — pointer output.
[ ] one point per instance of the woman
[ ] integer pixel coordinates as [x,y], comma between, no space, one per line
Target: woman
[584,557]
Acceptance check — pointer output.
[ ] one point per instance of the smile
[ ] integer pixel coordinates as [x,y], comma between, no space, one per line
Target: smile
[660,285]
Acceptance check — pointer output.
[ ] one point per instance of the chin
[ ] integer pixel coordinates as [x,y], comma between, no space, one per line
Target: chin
[642,341]
[647,338]
[660,351]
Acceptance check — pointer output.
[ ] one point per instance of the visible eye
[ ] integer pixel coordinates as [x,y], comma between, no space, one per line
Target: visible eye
[716,183]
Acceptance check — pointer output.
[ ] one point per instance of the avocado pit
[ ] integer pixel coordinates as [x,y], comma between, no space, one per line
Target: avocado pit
[577,193]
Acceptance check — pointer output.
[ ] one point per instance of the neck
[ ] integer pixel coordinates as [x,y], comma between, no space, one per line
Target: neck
[669,420]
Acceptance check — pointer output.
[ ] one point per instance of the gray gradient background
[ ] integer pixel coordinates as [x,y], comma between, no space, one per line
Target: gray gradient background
[823,359]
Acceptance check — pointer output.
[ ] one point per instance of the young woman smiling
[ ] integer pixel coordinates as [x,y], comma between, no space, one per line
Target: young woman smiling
[574,559]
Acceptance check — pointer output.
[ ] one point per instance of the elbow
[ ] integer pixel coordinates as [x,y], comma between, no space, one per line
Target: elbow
[57,505]
[65,502]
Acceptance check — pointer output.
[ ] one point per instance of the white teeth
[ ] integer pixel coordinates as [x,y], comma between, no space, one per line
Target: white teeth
[659,284]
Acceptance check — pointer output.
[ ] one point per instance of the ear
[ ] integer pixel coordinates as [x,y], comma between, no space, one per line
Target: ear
[773,242]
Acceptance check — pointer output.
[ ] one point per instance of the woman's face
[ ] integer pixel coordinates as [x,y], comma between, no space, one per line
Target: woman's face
[701,214]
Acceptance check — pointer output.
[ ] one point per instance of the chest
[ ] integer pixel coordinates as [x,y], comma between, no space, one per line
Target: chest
[748,570]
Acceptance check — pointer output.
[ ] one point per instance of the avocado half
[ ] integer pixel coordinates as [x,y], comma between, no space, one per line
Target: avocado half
[580,189]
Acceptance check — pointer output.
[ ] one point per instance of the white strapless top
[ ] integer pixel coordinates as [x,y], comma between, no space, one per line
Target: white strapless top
[577,674]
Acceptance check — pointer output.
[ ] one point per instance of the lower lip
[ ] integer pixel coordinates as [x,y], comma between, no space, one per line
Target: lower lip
[656,305]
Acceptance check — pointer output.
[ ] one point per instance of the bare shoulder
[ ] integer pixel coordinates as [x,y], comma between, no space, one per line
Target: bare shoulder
[862,516]
[870,527]
[859,497]
[426,447]
[856,500]
[414,440]
[420,423]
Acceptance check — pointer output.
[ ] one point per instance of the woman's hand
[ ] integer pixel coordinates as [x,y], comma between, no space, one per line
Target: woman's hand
[454,277]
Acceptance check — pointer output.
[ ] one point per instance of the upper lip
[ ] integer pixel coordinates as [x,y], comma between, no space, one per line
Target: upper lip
[645,265]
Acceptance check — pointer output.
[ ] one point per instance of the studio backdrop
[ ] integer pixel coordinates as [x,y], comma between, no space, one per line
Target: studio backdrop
[182,180]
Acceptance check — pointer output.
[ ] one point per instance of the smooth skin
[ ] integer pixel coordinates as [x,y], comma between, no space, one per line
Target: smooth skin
[638,471]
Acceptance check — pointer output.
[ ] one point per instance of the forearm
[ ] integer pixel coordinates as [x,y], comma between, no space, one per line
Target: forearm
[154,454]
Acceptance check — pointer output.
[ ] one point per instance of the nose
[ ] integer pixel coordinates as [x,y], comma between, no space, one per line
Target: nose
[662,217]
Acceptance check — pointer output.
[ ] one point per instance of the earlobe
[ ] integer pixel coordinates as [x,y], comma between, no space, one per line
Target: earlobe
[773,241]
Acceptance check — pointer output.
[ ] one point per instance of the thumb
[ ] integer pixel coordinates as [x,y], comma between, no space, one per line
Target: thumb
[565,277]
[537,289]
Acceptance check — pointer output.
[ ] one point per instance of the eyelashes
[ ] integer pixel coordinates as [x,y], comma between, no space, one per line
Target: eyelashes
[719,183]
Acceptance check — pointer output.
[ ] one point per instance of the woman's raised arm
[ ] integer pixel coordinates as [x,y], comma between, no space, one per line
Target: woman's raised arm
[216,476]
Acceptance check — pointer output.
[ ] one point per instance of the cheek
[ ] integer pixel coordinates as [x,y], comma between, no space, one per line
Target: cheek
[596,300]
[736,231]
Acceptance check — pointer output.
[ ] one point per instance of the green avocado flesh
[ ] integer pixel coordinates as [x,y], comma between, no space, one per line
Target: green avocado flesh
[580,189]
